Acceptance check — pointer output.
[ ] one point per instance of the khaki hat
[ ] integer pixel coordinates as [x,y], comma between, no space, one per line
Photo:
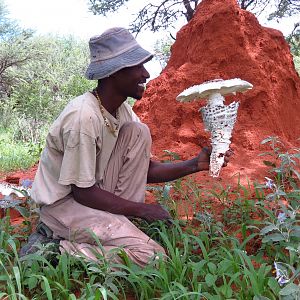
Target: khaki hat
[112,51]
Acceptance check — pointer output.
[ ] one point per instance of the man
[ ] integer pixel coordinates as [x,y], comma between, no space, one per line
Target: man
[93,171]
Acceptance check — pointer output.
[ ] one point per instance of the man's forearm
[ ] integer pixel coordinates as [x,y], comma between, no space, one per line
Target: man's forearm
[97,198]
[162,172]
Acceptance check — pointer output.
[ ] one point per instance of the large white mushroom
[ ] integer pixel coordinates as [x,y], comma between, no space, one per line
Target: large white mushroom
[218,118]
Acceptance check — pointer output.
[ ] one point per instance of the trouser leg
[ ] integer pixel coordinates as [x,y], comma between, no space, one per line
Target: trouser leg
[113,231]
[127,169]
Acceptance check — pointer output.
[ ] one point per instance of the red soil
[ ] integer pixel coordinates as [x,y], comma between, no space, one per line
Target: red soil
[224,41]
[17,176]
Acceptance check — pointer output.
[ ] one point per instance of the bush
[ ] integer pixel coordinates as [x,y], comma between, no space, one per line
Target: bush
[44,85]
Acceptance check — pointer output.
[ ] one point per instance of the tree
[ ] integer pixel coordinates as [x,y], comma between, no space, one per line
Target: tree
[256,6]
[285,8]
[44,84]
[152,16]
[14,54]
[38,75]
[14,49]
[162,50]
[8,28]
[297,63]
[294,40]
[162,14]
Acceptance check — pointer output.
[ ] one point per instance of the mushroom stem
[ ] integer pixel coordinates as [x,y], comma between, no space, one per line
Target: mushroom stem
[220,141]
[215,99]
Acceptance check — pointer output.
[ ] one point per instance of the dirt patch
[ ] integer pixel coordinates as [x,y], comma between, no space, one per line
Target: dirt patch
[17,177]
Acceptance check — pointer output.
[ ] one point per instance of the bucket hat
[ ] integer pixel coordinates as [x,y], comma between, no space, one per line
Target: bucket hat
[112,51]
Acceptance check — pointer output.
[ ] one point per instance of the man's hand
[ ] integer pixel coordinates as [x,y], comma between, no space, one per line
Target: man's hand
[227,157]
[154,212]
[203,158]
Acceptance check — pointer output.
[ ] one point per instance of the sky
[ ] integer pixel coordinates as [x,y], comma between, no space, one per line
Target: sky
[66,17]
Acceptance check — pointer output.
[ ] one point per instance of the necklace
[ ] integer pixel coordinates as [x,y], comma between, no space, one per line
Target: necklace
[106,121]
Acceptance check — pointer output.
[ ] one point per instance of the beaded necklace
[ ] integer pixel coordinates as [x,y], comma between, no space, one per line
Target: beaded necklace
[106,121]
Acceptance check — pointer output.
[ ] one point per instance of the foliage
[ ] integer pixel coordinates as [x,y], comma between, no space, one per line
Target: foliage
[294,40]
[284,163]
[160,16]
[297,63]
[105,7]
[44,85]
[8,28]
[15,47]
[38,75]
[199,265]
[16,154]
[257,258]
[277,9]
[162,49]
[285,8]
[54,78]
[14,54]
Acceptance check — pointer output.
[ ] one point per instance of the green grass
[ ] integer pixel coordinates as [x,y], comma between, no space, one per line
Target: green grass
[205,261]
[16,155]
[253,252]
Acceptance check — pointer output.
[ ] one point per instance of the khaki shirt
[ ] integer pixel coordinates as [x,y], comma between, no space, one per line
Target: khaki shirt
[78,147]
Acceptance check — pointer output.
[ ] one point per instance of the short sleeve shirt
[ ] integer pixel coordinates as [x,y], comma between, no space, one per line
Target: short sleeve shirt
[78,148]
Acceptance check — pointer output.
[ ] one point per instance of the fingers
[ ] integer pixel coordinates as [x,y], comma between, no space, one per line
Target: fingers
[168,222]
[156,212]
[207,149]
[229,152]
[227,156]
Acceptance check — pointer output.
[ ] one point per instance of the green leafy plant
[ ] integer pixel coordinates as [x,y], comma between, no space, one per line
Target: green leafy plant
[283,162]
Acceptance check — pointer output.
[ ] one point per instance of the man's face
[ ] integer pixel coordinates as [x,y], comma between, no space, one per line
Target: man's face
[131,81]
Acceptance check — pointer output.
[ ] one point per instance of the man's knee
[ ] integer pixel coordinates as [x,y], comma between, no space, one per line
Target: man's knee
[145,253]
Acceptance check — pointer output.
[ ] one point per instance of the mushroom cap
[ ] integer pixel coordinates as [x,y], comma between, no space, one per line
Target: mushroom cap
[223,87]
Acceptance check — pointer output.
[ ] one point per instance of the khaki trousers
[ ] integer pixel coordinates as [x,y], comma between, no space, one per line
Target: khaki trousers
[125,176]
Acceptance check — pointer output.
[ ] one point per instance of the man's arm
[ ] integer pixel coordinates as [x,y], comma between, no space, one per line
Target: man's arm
[97,198]
[162,172]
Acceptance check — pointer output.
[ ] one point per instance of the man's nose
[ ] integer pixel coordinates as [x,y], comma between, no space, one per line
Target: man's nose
[145,73]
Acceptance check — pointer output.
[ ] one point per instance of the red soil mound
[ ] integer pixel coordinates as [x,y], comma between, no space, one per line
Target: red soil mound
[224,41]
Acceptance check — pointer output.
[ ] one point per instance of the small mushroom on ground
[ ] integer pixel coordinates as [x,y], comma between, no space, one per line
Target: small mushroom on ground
[218,118]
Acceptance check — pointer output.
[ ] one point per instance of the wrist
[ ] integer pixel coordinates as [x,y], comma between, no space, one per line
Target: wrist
[139,210]
[194,165]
